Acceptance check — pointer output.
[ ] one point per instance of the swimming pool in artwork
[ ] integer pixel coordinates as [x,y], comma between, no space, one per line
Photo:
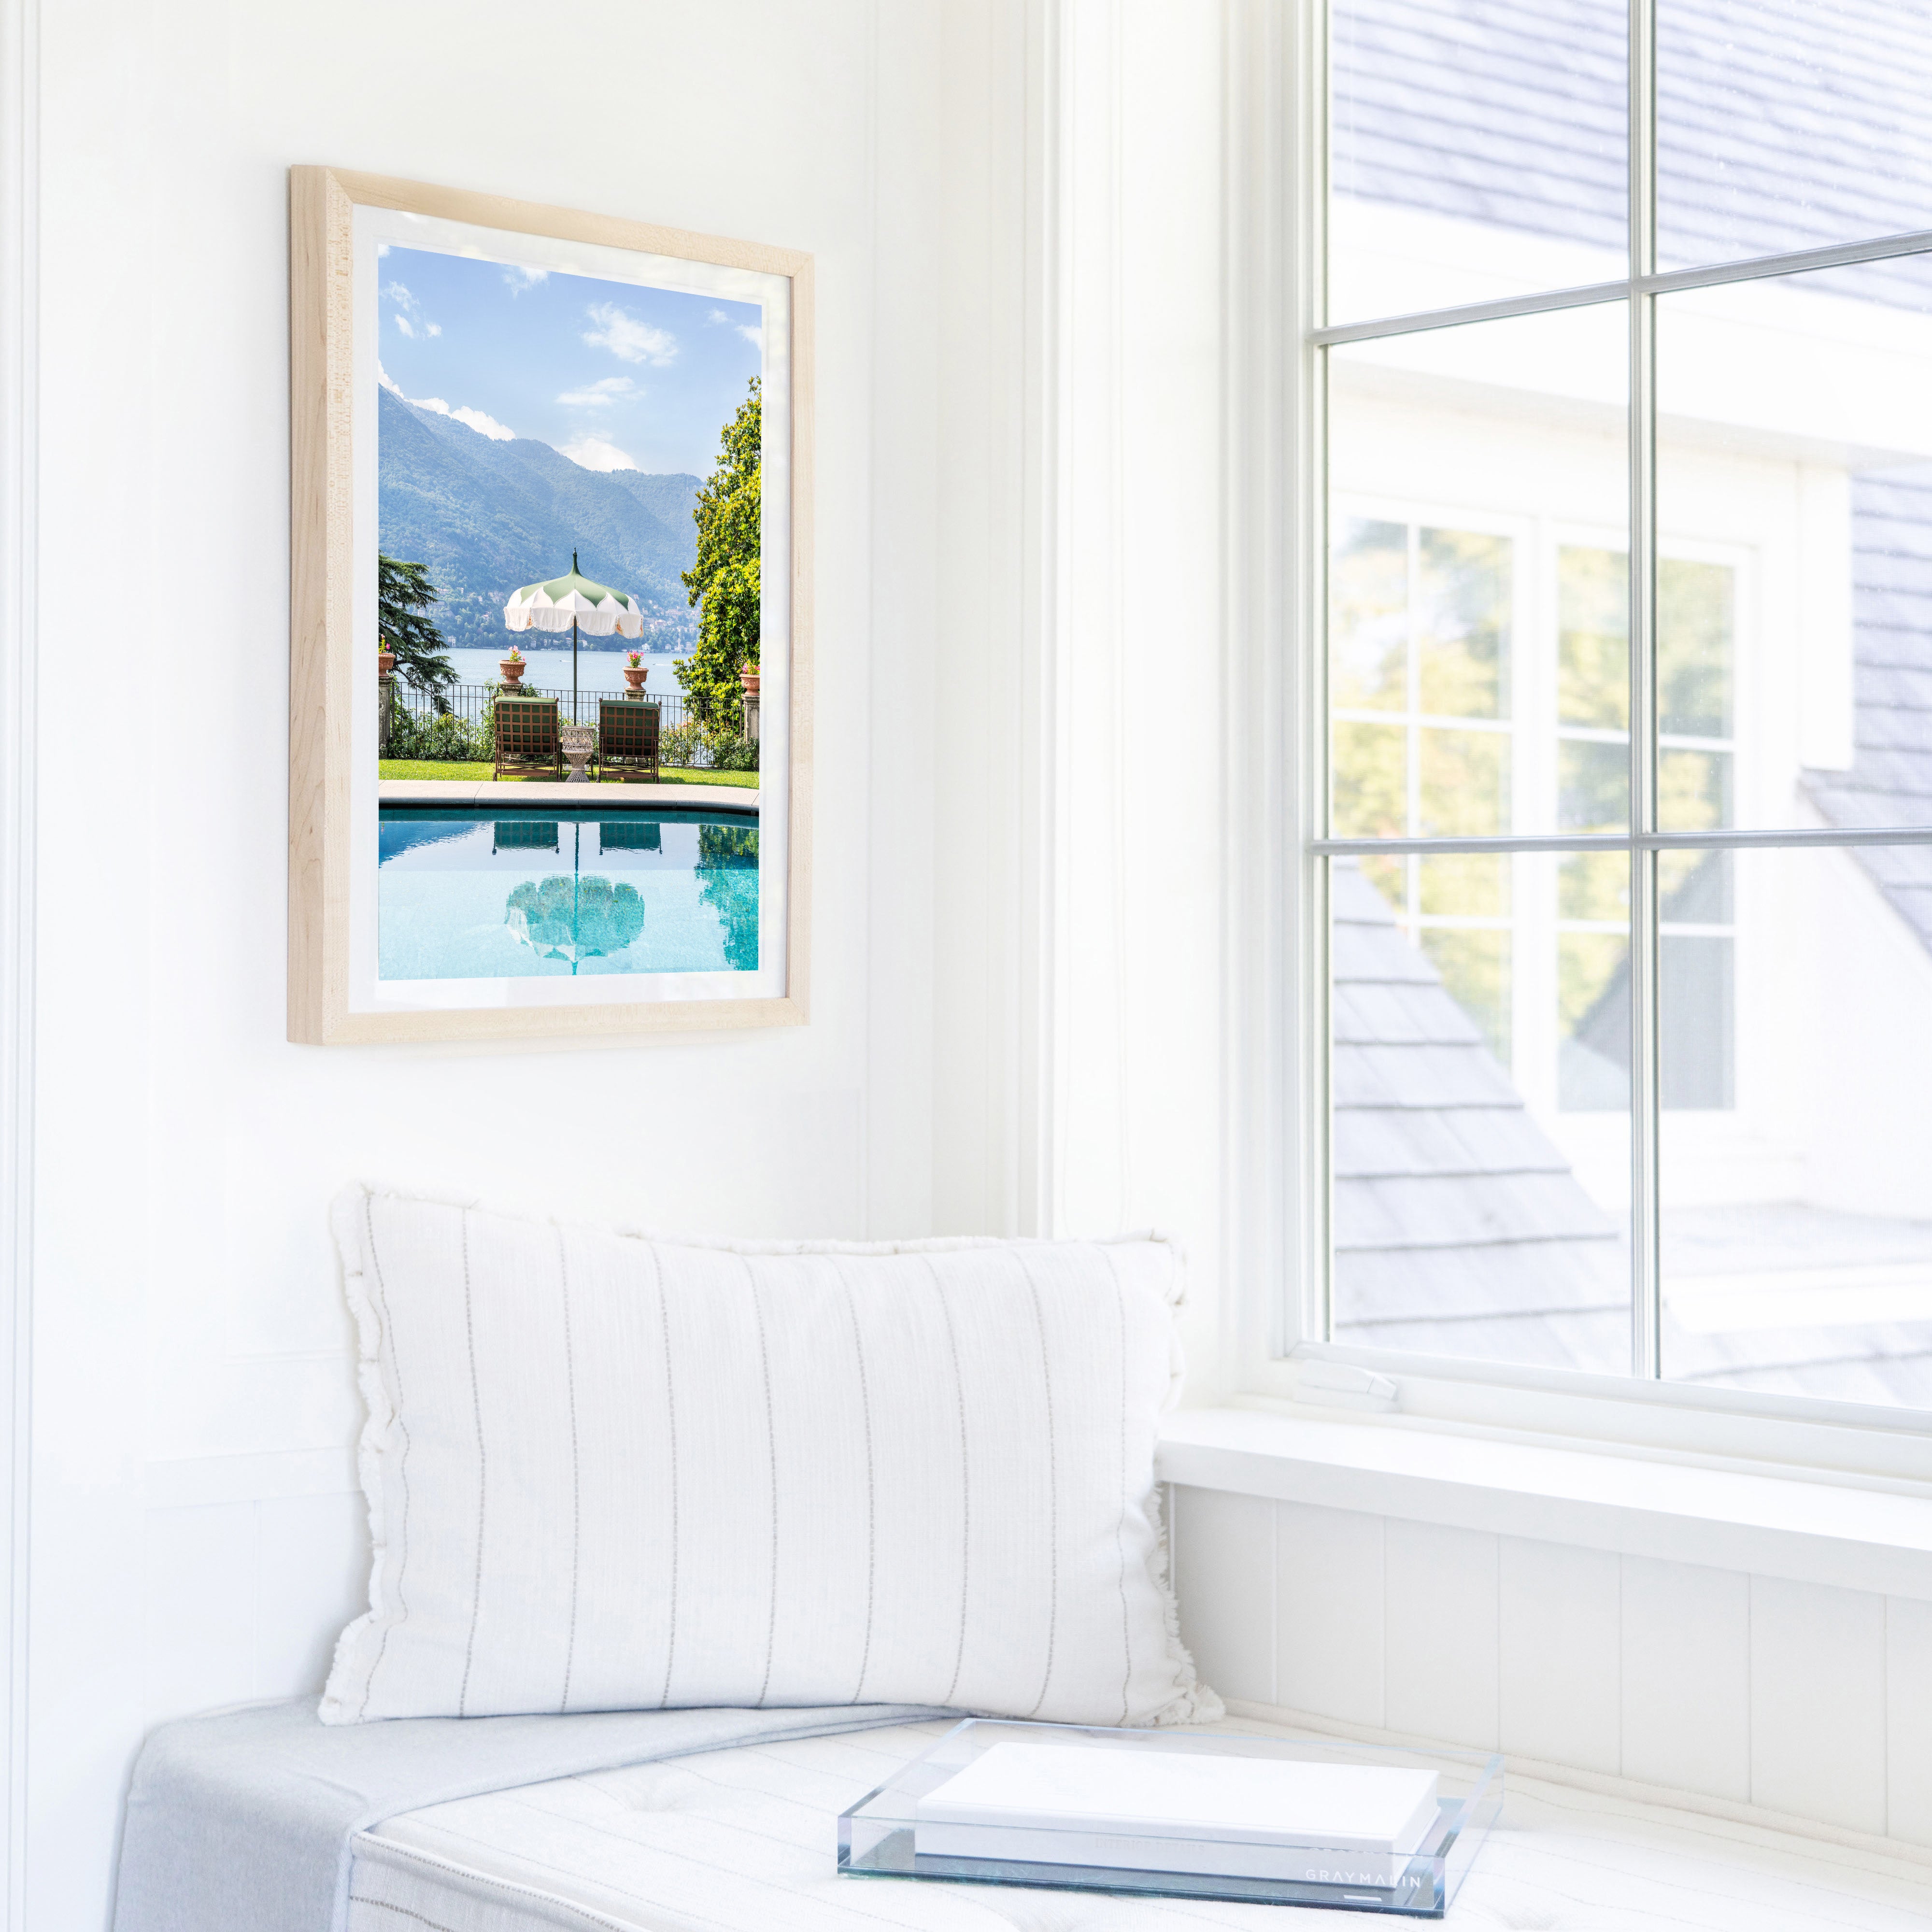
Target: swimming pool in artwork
[465,893]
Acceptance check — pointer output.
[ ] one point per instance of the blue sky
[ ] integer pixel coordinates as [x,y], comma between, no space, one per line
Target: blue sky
[615,375]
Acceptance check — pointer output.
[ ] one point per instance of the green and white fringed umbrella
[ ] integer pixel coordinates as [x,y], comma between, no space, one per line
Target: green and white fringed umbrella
[574,601]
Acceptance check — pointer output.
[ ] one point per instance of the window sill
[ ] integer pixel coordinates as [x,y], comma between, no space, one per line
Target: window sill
[1771,1525]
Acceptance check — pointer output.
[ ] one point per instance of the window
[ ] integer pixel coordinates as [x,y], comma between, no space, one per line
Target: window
[1626,842]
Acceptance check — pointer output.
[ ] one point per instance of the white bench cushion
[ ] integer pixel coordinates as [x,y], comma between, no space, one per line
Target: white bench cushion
[742,1840]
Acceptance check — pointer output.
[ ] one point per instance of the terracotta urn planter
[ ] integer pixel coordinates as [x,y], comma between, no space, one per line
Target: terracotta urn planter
[513,669]
[749,679]
[387,659]
[635,674]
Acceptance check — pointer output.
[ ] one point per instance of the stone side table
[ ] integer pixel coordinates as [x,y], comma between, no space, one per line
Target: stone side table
[578,741]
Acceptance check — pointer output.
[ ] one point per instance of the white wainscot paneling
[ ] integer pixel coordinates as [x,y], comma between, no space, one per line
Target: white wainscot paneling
[1687,1677]
[1224,1567]
[1908,1727]
[1329,1594]
[1818,1702]
[245,1600]
[1559,1662]
[1806,1698]
[1441,1632]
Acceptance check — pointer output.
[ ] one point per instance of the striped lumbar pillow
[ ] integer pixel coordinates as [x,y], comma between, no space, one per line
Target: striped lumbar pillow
[609,1472]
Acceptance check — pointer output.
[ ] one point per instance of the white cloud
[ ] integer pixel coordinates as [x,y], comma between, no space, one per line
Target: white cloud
[476,419]
[592,452]
[601,394]
[381,249]
[409,316]
[484,425]
[752,331]
[520,278]
[627,338]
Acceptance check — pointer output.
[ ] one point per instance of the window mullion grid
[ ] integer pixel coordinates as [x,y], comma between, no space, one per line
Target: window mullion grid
[1646,1258]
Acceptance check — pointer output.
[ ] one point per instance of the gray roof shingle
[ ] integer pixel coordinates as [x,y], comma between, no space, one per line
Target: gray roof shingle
[1781,124]
[1449,1198]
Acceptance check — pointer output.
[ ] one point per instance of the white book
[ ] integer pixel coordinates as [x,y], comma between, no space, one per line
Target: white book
[1147,1810]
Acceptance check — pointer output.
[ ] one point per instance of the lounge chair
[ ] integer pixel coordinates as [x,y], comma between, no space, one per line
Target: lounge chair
[627,739]
[526,738]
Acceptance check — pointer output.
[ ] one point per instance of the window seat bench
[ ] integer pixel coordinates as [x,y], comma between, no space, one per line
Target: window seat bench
[742,1839]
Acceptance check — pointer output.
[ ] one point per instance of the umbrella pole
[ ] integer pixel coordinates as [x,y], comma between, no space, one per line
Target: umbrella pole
[573,670]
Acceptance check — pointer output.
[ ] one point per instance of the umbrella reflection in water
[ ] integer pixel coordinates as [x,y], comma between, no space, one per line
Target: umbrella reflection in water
[572,919]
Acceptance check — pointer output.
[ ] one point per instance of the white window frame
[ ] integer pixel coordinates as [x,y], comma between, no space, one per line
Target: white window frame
[1278,1074]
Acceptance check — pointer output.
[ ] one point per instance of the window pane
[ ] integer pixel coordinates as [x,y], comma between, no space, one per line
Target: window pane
[1794,522]
[1465,784]
[1464,615]
[1369,616]
[1475,151]
[1481,1135]
[1371,781]
[1788,124]
[1593,636]
[1796,1208]
[1595,785]
[1695,632]
[1465,884]
[1462,626]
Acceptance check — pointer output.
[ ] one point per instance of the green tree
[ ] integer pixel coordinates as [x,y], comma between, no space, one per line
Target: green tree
[725,579]
[403,595]
[727,882]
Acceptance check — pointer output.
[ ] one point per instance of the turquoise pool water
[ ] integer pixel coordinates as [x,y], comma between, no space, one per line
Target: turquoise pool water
[468,894]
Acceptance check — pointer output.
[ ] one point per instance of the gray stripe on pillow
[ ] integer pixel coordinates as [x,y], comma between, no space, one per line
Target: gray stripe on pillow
[482,1471]
[670,1415]
[965,1483]
[1052,1491]
[1126,1499]
[389,1622]
[576,1468]
[872,1480]
[772,1466]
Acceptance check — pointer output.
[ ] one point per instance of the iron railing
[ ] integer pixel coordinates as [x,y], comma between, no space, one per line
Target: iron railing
[470,703]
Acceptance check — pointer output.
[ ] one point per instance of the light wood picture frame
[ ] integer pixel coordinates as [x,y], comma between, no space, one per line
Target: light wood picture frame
[443,967]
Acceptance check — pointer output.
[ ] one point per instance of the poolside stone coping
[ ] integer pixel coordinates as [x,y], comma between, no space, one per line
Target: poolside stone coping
[601,797]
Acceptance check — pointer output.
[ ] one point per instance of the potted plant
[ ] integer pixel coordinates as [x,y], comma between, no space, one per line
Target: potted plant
[748,677]
[513,667]
[634,672]
[385,658]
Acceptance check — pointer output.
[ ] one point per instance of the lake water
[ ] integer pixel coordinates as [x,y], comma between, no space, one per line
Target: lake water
[549,670]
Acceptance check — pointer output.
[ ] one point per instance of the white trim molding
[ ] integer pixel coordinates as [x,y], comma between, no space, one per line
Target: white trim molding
[19,186]
[1764,1522]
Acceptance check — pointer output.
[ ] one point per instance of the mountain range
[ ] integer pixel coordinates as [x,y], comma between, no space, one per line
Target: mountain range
[484,517]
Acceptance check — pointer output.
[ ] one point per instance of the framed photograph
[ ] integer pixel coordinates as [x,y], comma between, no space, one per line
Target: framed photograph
[550,620]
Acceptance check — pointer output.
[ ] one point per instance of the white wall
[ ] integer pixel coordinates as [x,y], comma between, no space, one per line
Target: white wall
[194,1536]
[1015,209]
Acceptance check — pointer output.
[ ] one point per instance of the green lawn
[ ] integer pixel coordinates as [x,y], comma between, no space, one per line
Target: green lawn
[479,774]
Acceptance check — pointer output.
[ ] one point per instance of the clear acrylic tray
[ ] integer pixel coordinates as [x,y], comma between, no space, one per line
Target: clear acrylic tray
[876,1835]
